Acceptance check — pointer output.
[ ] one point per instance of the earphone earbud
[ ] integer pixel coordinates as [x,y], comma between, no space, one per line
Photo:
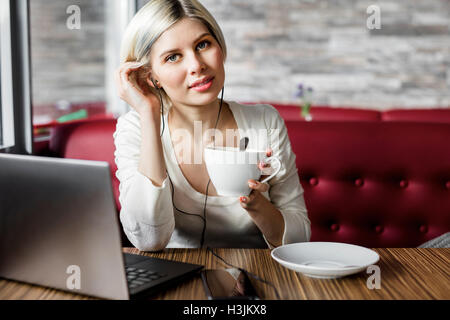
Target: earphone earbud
[154,83]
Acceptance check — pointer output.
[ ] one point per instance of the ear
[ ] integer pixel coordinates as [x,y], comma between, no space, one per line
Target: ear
[152,82]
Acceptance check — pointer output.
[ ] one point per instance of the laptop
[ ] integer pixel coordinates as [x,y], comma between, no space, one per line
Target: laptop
[59,228]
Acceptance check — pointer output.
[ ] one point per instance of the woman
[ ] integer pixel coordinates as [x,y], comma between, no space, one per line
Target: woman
[172,71]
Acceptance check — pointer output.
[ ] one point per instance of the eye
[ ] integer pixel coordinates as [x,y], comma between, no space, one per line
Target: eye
[172,58]
[203,44]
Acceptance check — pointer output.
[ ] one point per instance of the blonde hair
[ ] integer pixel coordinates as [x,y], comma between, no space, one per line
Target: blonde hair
[151,21]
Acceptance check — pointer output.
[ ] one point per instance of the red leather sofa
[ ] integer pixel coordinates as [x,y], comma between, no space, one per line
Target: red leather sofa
[377,179]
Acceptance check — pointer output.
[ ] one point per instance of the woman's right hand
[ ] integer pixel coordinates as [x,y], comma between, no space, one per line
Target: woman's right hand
[135,93]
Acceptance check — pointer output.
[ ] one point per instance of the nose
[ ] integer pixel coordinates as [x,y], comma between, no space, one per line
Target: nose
[196,64]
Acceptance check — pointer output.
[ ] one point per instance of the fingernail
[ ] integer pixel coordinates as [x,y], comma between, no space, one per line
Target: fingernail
[251,184]
[243,199]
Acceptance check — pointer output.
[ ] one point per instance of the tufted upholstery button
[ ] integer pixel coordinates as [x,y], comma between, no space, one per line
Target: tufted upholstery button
[359,182]
[313,181]
[379,229]
[447,185]
[334,227]
[423,228]
[404,183]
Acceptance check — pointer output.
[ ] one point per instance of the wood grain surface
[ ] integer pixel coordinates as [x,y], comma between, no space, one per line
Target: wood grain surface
[406,273]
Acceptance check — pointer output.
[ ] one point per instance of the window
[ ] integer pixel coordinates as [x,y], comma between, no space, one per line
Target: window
[75,49]
[6,95]
[68,61]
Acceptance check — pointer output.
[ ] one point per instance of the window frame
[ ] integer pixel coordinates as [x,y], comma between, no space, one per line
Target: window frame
[118,15]
[15,86]
[6,105]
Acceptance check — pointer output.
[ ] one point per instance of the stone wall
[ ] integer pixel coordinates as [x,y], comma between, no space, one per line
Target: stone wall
[272,46]
[67,64]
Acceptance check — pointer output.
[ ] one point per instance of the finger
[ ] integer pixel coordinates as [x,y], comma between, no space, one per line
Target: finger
[126,73]
[129,67]
[117,78]
[120,82]
[132,65]
[248,201]
[119,72]
[244,202]
[124,76]
[262,165]
[258,186]
[252,196]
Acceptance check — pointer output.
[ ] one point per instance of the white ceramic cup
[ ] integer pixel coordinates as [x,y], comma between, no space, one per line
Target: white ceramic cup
[230,169]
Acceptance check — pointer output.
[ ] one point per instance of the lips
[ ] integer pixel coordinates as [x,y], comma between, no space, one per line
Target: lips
[201,82]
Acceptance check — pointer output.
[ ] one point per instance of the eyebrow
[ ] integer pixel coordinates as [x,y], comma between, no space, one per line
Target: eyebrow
[172,50]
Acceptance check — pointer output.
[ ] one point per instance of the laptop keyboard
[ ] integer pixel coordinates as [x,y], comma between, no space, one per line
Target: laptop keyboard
[141,277]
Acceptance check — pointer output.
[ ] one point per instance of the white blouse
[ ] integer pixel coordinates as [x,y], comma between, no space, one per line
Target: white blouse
[149,218]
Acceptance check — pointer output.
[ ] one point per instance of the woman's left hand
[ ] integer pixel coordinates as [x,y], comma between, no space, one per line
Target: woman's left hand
[265,215]
[255,198]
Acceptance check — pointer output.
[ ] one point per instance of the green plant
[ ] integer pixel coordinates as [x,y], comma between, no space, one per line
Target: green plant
[305,97]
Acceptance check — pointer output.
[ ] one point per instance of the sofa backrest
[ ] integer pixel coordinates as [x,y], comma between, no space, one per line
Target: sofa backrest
[418,115]
[377,184]
[324,113]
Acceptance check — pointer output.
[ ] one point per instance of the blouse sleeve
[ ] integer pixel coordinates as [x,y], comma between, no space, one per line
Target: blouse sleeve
[147,212]
[286,192]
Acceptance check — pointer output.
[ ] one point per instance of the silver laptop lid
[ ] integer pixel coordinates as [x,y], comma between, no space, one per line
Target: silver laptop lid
[59,227]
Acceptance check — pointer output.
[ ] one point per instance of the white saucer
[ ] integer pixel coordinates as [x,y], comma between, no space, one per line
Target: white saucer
[325,259]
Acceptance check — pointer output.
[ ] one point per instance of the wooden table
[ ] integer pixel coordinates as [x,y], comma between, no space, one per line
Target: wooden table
[406,273]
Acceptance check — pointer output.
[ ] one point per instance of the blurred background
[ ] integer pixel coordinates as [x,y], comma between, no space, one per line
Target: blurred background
[273,46]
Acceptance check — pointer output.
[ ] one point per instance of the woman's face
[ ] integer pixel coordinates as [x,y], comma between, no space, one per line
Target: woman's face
[183,55]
